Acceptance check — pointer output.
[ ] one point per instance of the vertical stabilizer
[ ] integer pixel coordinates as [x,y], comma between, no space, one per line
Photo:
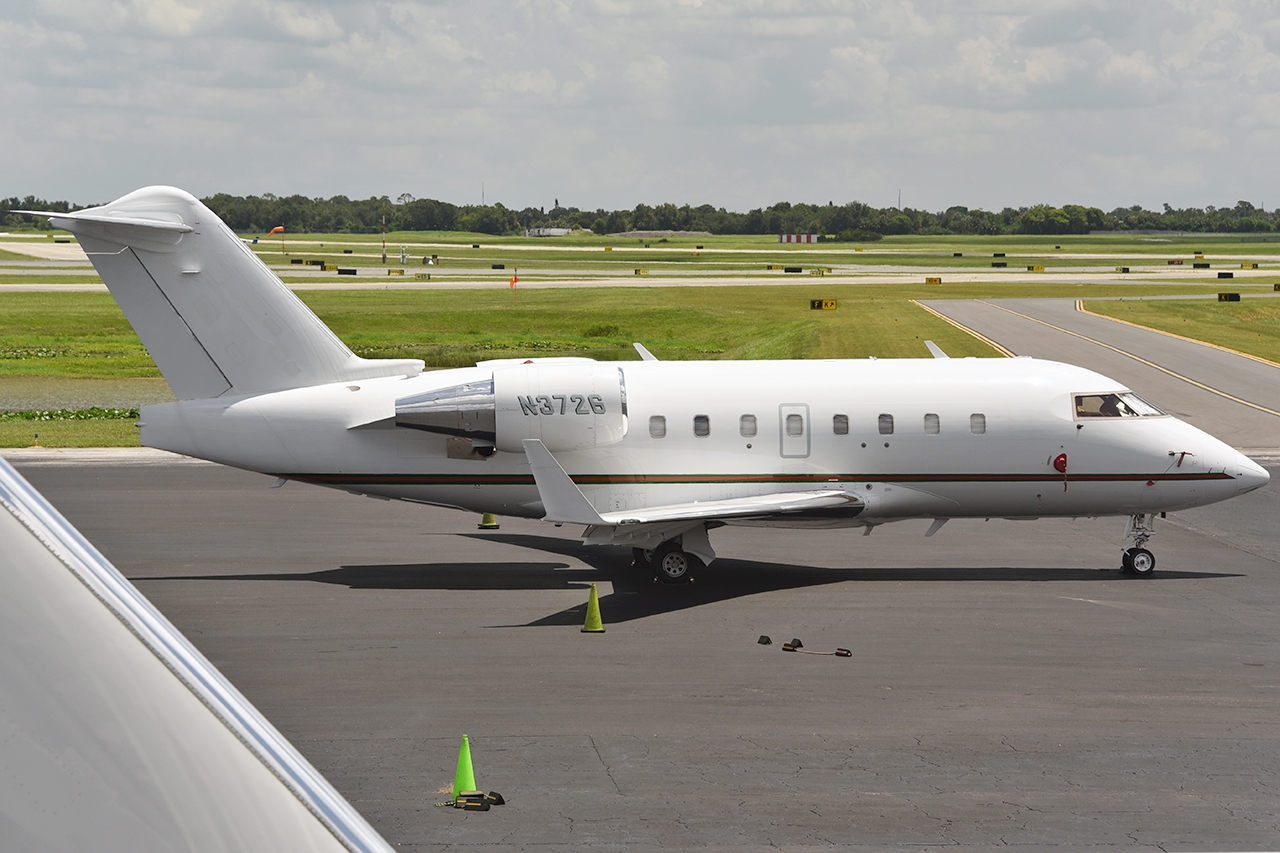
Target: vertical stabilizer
[215,319]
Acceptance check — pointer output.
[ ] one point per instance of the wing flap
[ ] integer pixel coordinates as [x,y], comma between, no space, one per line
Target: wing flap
[746,507]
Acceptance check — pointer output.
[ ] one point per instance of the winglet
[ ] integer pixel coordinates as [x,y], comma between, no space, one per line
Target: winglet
[936,350]
[561,498]
[644,353]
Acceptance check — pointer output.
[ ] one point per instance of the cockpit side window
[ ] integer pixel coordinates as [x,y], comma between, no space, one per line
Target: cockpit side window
[1123,404]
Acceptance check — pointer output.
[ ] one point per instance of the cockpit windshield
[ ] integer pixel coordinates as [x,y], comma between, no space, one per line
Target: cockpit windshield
[1123,404]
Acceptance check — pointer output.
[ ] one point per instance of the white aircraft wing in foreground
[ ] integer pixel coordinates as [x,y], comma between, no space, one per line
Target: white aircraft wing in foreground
[651,454]
[117,733]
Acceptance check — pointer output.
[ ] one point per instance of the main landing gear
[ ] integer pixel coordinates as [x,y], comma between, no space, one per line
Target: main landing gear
[1138,560]
[669,562]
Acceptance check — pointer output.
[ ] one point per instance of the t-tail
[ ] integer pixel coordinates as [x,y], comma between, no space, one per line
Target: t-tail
[215,319]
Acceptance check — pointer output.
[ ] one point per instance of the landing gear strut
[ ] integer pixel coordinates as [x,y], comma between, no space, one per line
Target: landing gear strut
[1138,560]
[673,565]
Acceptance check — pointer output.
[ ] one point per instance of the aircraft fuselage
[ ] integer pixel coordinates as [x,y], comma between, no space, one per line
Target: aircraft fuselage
[967,438]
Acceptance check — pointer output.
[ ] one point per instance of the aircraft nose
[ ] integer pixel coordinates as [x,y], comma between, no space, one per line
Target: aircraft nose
[1249,475]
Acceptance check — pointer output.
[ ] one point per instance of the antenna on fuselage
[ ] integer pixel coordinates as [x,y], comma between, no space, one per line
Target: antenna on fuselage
[644,353]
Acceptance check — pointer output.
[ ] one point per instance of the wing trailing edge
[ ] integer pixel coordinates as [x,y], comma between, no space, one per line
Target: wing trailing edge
[564,502]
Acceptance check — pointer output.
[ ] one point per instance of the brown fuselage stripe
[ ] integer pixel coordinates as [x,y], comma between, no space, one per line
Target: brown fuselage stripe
[723,479]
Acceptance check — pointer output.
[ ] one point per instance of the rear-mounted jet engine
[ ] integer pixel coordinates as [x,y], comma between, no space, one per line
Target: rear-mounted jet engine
[566,406]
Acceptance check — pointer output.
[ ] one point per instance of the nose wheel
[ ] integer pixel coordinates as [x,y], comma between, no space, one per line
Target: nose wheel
[1138,560]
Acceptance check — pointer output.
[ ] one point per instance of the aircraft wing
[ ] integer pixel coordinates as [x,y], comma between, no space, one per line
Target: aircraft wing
[564,502]
[118,734]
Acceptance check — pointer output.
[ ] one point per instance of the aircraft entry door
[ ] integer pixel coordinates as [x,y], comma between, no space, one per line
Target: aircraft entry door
[793,426]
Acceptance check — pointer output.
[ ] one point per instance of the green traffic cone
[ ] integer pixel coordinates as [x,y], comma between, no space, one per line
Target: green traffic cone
[465,778]
[594,624]
[488,521]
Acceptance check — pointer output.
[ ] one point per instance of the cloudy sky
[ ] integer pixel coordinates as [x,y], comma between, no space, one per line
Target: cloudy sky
[608,103]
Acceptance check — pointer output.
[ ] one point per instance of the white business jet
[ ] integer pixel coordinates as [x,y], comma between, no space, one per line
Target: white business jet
[645,454]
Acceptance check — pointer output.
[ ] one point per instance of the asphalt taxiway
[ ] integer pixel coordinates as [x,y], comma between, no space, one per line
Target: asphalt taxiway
[1007,685]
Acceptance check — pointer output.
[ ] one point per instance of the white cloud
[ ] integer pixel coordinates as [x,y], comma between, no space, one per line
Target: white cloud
[614,102]
[298,21]
[161,17]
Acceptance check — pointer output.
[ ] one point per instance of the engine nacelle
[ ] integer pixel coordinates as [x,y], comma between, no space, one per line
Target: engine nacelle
[568,406]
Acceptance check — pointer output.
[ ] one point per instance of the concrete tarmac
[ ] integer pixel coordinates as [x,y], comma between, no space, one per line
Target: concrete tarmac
[1008,686]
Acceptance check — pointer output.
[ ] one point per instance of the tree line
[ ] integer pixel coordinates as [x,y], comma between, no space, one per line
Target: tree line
[851,221]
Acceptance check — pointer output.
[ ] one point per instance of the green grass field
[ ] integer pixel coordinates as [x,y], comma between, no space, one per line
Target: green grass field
[68,335]
[1248,327]
[85,335]
[94,433]
[79,337]
[51,278]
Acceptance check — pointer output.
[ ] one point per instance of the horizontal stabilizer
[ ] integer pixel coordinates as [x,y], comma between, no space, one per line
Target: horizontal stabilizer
[177,226]
[565,503]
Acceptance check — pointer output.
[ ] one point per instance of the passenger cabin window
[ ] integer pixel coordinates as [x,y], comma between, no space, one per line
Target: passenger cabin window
[795,425]
[1121,405]
[886,424]
[977,423]
[747,426]
[932,426]
[657,426]
[840,424]
[701,425]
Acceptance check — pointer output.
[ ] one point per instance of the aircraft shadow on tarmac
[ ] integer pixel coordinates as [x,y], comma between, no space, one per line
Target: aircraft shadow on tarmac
[635,594]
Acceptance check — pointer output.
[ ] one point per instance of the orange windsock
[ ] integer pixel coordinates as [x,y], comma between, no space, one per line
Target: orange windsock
[279,229]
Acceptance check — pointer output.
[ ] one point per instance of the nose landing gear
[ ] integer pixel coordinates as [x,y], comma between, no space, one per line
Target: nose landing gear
[1138,560]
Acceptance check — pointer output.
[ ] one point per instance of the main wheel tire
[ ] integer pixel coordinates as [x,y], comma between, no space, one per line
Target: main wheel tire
[672,565]
[642,558]
[1126,562]
[1142,561]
